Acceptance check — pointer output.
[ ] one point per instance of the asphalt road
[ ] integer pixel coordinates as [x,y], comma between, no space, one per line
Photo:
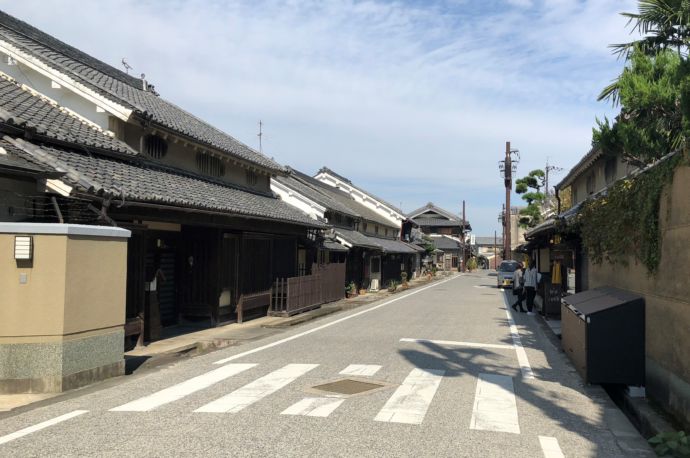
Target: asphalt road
[450,379]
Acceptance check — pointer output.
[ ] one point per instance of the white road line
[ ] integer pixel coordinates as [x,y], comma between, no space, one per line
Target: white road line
[495,408]
[257,390]
[314,407]
[40,426]
[411,400]
[519,349]
[183,389]
[327,325]
[550,447]
[459,344]
[361,370]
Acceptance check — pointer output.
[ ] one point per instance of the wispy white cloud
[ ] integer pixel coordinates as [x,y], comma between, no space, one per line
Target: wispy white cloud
[386,92]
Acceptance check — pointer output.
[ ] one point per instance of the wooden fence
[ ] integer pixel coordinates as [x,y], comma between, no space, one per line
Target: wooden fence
[298,294]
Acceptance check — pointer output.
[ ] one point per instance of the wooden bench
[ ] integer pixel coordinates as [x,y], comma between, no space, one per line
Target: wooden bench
[135,327]
[253,301]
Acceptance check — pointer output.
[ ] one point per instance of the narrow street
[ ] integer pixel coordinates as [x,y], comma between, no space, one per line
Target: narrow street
[446,373]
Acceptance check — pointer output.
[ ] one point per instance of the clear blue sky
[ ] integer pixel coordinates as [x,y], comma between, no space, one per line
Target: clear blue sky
[413,100]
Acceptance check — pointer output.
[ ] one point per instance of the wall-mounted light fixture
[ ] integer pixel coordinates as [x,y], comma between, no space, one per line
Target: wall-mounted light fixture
[23,247]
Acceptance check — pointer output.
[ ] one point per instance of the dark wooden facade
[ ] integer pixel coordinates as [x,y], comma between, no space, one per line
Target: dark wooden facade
[204,264]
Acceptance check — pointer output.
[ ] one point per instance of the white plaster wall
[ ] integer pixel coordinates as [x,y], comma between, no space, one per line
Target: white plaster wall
[360,197]
[64,97]
[296,200]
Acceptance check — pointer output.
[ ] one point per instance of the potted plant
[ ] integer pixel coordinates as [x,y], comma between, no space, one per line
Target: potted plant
[472,264]
[392,286]
[403,277]
[351,289]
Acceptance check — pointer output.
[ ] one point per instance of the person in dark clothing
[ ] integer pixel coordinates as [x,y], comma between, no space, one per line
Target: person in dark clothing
[532,278]
[518,287]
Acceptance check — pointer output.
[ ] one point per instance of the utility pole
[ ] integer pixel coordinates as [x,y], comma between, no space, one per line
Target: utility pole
[507,167]
[508,181]
[462,231]
[549,168]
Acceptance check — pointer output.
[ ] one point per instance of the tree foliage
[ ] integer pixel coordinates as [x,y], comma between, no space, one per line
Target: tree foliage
[529,187]
[662,24]
[653,93]
[651,122]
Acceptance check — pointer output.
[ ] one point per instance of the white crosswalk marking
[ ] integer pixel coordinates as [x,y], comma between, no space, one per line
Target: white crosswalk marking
[411,400]
[550,447]
[361,370]
[314,407]
[257,390]
[40,426]
[183,389]
[495,408]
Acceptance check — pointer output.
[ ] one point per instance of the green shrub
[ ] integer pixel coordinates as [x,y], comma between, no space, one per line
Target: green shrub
[675,444]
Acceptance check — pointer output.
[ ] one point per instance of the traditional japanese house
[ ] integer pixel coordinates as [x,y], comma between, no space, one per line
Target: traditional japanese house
[432,219]
[375,253]
[206,229]
[447,231]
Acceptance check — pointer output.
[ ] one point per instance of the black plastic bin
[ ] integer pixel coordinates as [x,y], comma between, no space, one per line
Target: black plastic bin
[603,334]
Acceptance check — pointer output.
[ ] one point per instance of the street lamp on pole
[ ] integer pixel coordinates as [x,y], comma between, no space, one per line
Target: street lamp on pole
[507,168]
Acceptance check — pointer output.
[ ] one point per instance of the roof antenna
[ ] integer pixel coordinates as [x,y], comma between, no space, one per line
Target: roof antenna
[126,65]
[260,134]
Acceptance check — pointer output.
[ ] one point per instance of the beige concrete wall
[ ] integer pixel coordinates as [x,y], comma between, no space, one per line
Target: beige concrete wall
[61,325]
[667,296]
[35,308]
[95,283]
[75,284]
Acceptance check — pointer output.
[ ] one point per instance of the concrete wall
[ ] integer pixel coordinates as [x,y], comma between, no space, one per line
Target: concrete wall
[667,298]
[62,314]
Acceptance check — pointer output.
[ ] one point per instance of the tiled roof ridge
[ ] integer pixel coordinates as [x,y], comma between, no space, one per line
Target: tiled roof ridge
[579,168]
[112,179]
[325,169]
[326,200]
[437,209]
[55,104]
[152,165]
[59,46]
[352,204]
[219,131]
[310,182]
[60,135]
[134,103]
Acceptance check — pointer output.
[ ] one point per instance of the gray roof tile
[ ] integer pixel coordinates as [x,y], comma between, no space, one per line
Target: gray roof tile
[157,184]
[347,180]
[296,181]
[20,106]
[14,158]
[124,89]
[386,245]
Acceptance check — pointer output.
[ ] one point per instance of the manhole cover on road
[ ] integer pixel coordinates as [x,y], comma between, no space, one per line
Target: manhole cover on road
[349,387]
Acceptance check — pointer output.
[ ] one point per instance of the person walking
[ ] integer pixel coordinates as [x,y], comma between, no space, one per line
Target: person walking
[531,280]
[518,287]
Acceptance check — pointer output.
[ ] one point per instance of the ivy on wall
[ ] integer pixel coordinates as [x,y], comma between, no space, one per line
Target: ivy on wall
[625,222]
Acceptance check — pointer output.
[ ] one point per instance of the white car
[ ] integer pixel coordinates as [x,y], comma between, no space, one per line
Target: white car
[506,270]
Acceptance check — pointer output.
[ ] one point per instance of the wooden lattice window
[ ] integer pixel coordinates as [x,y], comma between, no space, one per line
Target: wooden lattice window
[155,146]
[610,170]
[209,165]
[252,178]
[590,184]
